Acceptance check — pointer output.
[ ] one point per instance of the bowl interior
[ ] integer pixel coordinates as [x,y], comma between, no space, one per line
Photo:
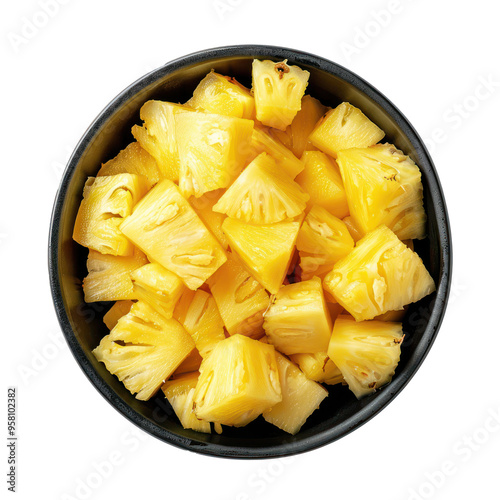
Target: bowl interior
[82,323]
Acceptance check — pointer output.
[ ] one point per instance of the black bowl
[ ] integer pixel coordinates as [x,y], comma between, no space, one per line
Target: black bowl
[82,324]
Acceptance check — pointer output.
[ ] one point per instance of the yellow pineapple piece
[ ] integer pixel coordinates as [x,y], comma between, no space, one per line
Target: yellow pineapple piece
[132,160]
[381,274]
[354,231]
[168,230]
[109,276]
[265,250]
[318,367]
[321,179]
[224,96]
[240,298]
[212,150]
[278,89]
[117,310]
[345,127]
[106,202]
[384,186]
[298,320]
[262,194]
[366,353]
[144,349]
[300,397]
[179,393]
[323,240]
[238,381]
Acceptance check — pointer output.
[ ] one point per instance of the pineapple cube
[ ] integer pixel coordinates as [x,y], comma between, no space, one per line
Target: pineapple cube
[278,89]
[144,349]
[262,194]
[168,230]
[381,274]
[212,150]
[319,367]
[224,96]
[300,397]
[384,186]
[238,381]
[345,127]
[366,353]
[117,310]
[106,202]
[298,320]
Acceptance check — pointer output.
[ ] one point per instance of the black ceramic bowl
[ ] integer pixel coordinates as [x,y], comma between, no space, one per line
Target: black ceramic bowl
[82,323]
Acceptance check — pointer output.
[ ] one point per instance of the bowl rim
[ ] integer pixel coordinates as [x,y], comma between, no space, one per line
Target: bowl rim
[444,233]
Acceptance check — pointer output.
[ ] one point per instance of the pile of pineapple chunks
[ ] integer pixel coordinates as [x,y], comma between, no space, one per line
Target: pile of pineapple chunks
[257,245]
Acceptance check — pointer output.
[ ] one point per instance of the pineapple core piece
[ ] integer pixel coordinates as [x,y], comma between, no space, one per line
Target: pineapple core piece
[144,349]
[168,230]
[262,194]
[238,381]
[298,320]
[384,186]
[366,353]
[345,127]
[381,274]
[180,392]
[300,397]
[318,367]
[116,311]
[278,89]
[106,202]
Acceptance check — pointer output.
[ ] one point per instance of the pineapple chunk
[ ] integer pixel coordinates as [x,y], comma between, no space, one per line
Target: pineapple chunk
[323,240]
[384,187]
[224,96]
[262,194]
[158,287]
[132,160]
[117,310]
[212,150]
[298,320]
[381,274]
[321,179]
[345,127]
[300,397]
[106,201]
[158,135]
[240,298]
[366,353]
[144,349]
[168,230]
[179,393]
[109,276]
[278,90]
[354,231]
[318,367]
[238,381]
[265,250]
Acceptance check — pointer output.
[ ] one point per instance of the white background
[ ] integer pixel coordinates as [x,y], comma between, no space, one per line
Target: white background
[431,59]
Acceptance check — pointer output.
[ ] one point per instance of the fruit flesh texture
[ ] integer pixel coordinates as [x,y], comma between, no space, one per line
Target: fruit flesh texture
[318,367]
[116,311]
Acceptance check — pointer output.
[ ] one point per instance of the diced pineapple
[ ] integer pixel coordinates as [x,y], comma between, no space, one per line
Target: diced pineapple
[298,320]
[144,349]
[300,398]
[278,89]
[345,127]
[366,353]
[158,135]
[323,240]
[109,276]
[354,231]
[240,298]
[262,194]
[117,310]
[132,160]
[238,381]
[318,367]
[265,250]
[224,96]
[321,179]
[106,202]
[157,286]
[179,393]
[212,150]
[381,274]
[384,187]
[168,230]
